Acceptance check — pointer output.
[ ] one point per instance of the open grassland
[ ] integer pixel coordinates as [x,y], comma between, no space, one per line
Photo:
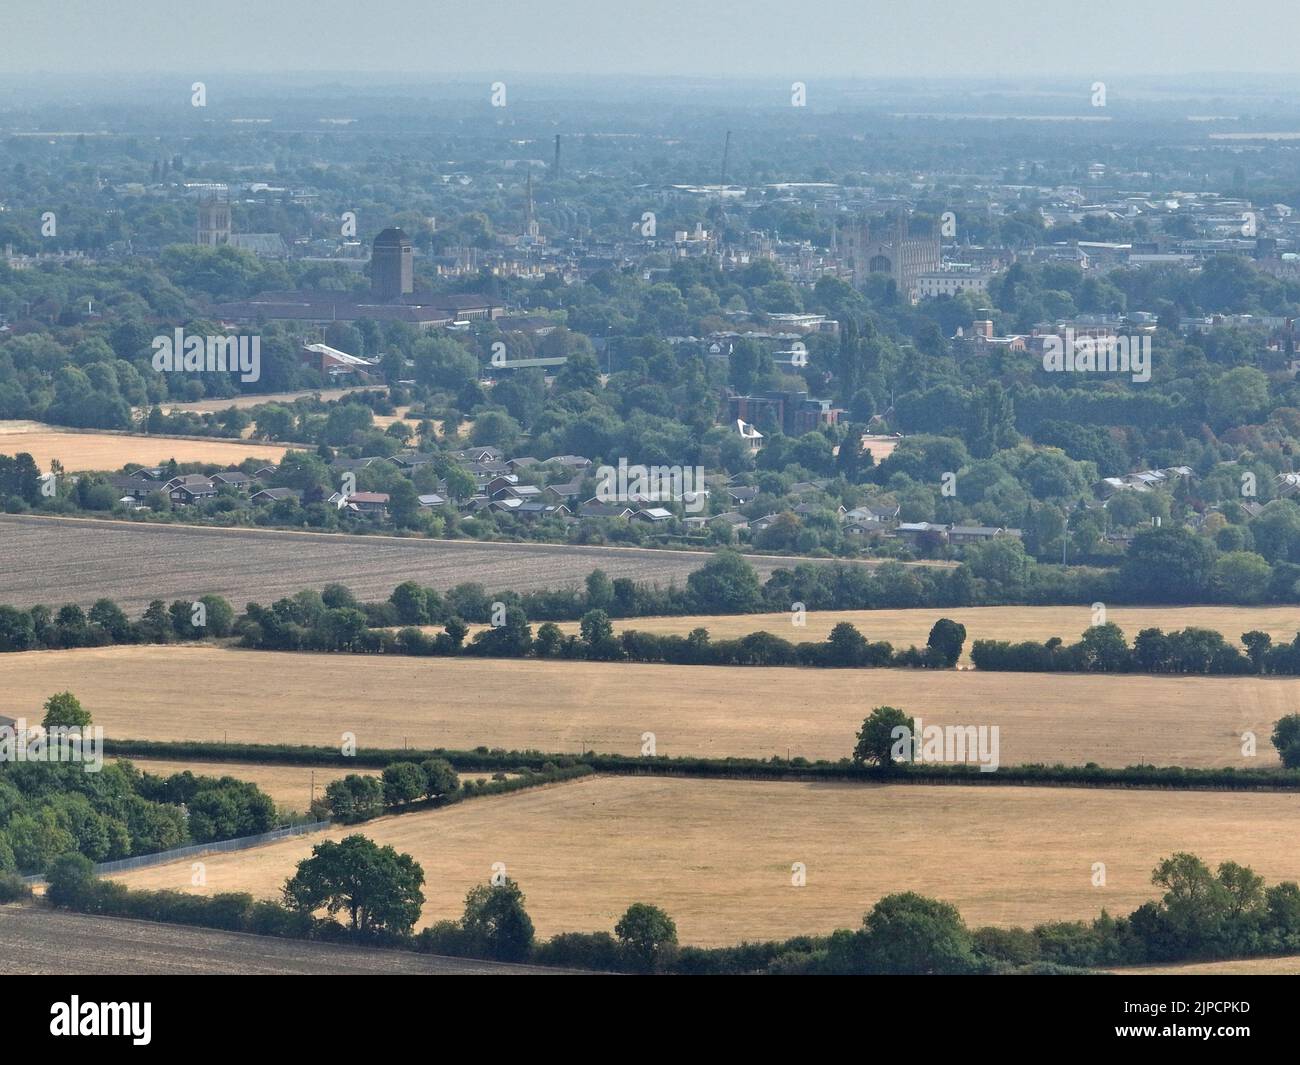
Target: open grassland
[59,560]
[211,693]
[35,941]
[717,855]
[86,450]
[908,627]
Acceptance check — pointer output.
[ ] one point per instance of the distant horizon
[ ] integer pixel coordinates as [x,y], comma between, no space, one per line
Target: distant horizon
[812,41]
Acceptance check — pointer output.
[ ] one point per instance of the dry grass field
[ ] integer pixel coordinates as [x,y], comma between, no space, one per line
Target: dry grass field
[1285,966]
[908,627]
[881,447]
[207,693]
[48,560]
[717,855]
[87,450]
[35,941]
[211,406]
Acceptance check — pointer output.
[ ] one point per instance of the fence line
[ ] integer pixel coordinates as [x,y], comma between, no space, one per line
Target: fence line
[141,861]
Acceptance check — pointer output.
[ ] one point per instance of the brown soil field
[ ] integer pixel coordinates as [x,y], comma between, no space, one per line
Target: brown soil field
[290,786]
[908,627]
[717,855]
[1285,966]
[206,693]
[35,941]
[57,560]
[86,450]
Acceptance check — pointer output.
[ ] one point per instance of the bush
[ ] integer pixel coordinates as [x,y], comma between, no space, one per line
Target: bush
[581,950]
[13,888]
[71,882]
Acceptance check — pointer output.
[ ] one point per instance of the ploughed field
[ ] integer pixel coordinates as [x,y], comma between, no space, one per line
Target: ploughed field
[59,560]
[717,855]
[35,941]
[88,450]
[198,692]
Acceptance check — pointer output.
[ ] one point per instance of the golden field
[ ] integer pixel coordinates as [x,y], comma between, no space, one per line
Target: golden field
[209,693]
[1284,966]
[89,450]
[717,855]
[907,627]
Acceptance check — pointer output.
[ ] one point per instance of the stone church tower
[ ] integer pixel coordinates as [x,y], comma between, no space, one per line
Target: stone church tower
[895,252]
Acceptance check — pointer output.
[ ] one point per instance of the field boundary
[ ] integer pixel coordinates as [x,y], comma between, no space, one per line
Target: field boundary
[1167,778]
[239,843]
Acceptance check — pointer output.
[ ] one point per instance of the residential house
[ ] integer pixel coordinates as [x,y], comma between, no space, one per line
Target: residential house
[653,515]
[370,503]
[598,508]
[232,479]
[275,495]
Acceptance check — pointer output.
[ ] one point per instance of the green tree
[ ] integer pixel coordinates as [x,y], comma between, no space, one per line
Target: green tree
[1286,739]
[881,733]
[726,584]
[378,887]
[403,782]
[1167,565]
[910,934]
[497,923]
[64,710]
[439,778]
[946,639]
[648,937]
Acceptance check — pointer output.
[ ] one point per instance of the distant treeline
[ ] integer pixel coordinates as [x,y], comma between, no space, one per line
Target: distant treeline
[1203,913]
[538,764]
[1105,649]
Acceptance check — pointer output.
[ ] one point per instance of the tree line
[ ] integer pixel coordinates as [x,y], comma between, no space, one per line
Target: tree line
[1105,649]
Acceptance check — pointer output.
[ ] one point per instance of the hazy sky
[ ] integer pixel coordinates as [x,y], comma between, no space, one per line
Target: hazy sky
[801,39]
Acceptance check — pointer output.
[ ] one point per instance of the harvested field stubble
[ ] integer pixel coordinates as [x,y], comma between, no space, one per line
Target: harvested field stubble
[211,693]
[717,855]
